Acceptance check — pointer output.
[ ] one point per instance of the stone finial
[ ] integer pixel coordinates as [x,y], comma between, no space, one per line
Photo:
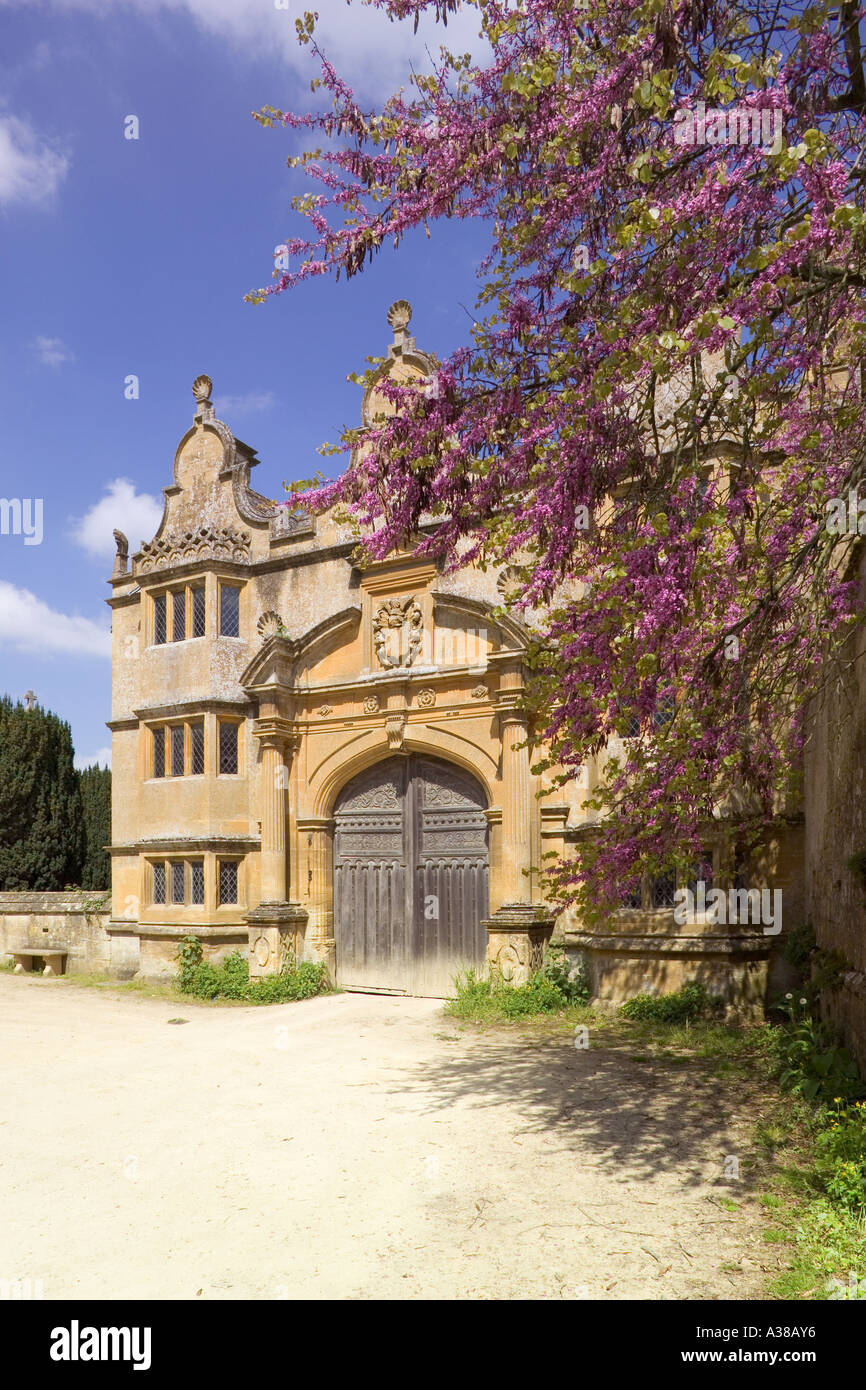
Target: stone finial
[30,698]
[201,389]
[121,559]
[399,317]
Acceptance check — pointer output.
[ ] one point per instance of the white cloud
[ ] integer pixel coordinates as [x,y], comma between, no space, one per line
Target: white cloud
[29,625]
[248,403]
[370,51]
[53,352]
[30,170]
[136,514]
[102,757]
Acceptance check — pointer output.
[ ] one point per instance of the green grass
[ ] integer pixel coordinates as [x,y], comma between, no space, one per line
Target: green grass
[169,990]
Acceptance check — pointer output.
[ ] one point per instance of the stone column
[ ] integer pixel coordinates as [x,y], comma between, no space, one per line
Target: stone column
[276,926]
[318,895]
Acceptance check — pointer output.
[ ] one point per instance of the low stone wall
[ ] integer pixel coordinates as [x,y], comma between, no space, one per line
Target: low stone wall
[80,923]
[650,955]
[74,921]
[620,965]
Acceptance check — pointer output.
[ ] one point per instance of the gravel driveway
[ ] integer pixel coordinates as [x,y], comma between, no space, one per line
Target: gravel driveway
[351,1146]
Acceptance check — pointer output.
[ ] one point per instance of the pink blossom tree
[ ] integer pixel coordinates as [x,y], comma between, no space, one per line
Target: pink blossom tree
[660,403]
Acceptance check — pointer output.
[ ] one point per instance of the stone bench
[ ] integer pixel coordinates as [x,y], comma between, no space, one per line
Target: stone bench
[53,958]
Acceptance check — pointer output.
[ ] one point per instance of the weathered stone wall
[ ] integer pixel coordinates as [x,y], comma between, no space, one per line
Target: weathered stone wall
[72,921]
[836,828]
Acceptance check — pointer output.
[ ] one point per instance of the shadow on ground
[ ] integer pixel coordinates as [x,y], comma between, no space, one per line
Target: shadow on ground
[647,1116]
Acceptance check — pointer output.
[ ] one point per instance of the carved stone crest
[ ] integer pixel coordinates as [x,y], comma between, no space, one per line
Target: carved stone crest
[480,692]
[371,704]
[398,626]
[427,698]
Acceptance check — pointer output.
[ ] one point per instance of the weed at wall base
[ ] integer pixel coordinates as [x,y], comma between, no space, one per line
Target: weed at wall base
[231,978]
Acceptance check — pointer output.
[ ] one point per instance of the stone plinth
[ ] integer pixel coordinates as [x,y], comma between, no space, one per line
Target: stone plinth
[276,932]
[517,934]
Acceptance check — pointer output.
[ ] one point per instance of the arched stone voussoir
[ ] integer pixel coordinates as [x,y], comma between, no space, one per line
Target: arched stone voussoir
[359,753]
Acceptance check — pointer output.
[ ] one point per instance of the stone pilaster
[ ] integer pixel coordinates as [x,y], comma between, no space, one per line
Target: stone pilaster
[275,805]
[516,806]
[276,927]
[519,929]
[318,835]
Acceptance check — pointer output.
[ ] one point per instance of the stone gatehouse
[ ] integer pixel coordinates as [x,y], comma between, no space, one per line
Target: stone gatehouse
[315,757]
[312,756]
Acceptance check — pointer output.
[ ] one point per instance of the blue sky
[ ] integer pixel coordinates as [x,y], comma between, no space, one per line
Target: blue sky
[124,257]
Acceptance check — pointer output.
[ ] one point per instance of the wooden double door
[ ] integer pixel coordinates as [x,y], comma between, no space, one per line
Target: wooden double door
[410,877]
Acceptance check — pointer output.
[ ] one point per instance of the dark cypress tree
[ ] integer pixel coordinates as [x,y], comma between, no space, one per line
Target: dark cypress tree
[95,784]
[41,826]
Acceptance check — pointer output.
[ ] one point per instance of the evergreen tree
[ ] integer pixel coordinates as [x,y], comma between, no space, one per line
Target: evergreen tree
[95,785]
[41,825]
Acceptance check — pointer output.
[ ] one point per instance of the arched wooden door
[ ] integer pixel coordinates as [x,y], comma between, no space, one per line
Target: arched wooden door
[410,877]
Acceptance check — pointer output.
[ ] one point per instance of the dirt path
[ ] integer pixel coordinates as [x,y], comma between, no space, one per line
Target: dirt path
[348,1147]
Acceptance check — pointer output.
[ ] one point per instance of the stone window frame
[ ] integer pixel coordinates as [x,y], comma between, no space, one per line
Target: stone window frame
[238,586]
[166,728]
[165,865]
[228,860]
[167,595]
[238,724]
[681,880]
[662,716]
[156,875]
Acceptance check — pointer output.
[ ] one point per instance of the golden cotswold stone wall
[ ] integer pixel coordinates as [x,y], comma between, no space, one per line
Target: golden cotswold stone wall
[325,670]
[835,792]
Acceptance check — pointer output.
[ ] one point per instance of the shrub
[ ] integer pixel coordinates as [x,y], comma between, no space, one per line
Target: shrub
[569,979]
[683,1006]
[235,978]
[231,978]
[482,998]
[205,982]
[538,996]
[189,953]
[296,982]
